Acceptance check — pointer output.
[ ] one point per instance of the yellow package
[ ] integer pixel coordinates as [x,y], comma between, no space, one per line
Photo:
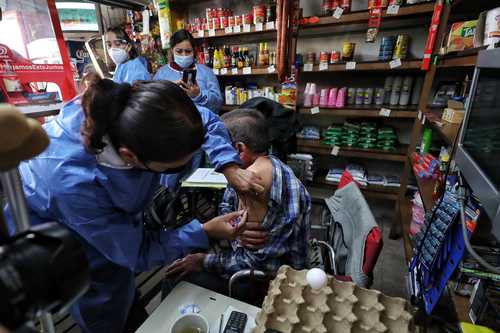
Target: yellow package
[461,36]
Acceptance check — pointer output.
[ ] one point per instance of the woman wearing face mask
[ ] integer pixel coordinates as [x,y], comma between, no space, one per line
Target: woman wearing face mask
[206,91]
[130,67]
[98,182]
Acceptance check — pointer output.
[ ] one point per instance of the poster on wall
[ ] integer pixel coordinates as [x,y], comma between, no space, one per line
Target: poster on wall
[77,16]
[79,55]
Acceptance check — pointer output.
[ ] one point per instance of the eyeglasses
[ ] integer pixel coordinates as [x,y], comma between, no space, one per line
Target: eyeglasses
[116,43]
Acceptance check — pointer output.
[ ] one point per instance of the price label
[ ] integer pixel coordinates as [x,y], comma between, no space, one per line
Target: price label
[270,25]
[350,65]
[419,115]
[308,67]
[259,26]
[335,150]
[315,110]
[201,33]
[247,70]
[338,12]
[237,28]
[216,71]
[211,33]
[247,27]
[385,112]
[234,71]
[323,66]
[228,30]
[423,120]
[395,63]
[393,10]
[271,69]
[223,71]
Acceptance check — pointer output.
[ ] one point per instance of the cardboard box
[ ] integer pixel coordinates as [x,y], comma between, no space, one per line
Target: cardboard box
[461,36]
[453,116]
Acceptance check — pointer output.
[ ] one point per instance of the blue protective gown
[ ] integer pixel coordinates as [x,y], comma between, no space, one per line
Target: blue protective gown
[101,201]
[210,95]
[132,70]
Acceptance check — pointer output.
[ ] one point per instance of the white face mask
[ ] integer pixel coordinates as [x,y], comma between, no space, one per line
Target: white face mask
[118,55]
[184,61]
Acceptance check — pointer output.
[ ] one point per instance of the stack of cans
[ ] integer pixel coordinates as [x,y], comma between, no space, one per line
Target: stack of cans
[386,48]
[368,136]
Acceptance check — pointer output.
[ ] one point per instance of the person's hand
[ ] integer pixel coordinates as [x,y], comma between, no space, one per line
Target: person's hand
[187,265]
[226,226]
[191,89]
[253,237]
[244,181]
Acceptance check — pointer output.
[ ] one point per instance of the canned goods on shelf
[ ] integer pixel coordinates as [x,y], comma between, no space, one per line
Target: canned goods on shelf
[323,57]
[348,51]
[334,57]
[259,14]
[401,49]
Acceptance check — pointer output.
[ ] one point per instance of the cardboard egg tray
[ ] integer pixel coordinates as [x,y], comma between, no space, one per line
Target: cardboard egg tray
[291,306]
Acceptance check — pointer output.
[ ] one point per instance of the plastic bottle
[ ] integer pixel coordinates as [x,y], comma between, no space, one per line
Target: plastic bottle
[396,90]
[404,99]
[368,99]
[341,97]
[387,89]
[332,98]
[426,141]
[417,89]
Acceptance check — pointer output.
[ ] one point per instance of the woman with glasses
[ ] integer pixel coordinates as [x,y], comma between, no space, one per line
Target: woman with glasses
[130,67]
[205,90]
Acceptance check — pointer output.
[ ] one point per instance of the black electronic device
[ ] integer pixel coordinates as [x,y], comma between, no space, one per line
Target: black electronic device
[236,323]
[44,269]
[189,75]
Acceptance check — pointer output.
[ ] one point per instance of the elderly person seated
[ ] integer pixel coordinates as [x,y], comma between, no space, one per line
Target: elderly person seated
[282,211]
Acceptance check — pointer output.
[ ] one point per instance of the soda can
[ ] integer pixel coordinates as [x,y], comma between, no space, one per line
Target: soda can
[323,57]
[334,57]
[401,48]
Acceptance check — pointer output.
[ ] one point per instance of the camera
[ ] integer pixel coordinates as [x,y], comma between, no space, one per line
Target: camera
[44,269]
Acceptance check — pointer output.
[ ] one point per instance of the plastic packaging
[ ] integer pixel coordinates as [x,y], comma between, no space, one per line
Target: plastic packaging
[316,99]
[341,97]
[368,98]
[351,96]
[360,96]
[332,98]
[426,141]
[348,51]
[323,100]
[379,96]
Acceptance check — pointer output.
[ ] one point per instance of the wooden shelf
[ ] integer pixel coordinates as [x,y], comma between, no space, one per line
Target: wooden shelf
[357,17]
[406,217]
[461,304]
[221,33]
[457,61]
[369,66]
[447,131]
[357,111]
[316,147]
[255,71]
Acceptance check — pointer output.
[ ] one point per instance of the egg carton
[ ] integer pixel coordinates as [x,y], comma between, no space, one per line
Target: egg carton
[292,306]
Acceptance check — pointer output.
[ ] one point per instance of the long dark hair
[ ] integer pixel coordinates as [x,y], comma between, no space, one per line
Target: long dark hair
[180,36]
[154,119]
[122,34]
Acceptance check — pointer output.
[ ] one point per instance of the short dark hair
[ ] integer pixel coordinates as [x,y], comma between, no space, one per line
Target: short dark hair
[122,34]
[154,119]
[181,35]
[250,127]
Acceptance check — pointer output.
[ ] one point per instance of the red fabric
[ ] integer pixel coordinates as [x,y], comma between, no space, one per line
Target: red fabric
[373,246]
[345,179]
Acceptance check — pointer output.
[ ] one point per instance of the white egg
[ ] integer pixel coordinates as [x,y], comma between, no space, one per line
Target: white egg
[316,278]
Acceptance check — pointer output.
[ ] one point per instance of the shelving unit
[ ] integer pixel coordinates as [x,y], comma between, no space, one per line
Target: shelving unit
[221,33]
[316,147]
[254,71]
[447,131]
[369,66]
[365,112]
[361,17]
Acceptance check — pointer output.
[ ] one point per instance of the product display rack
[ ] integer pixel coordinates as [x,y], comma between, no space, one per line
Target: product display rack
[407,16]
[430,117]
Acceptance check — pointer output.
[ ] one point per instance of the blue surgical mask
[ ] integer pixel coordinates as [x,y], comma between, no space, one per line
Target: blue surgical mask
[184,61]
